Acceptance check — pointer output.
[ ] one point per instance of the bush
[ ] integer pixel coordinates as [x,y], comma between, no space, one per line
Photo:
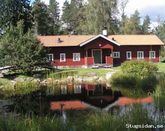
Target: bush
[140,69]
[138,74]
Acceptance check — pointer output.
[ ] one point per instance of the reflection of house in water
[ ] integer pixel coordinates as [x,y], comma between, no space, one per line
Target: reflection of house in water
[77,89]
[85,94]
[63,89]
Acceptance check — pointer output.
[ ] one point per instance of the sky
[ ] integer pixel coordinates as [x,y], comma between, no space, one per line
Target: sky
[154,8]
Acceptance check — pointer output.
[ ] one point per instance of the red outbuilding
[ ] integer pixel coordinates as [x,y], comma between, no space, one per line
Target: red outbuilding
[88,50]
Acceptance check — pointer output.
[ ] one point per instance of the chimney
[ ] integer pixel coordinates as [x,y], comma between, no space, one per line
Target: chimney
[105,32]
[113,39]
[58,40]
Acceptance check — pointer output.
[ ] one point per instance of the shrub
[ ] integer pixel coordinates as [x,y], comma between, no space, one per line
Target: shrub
[139,74]
[139,69]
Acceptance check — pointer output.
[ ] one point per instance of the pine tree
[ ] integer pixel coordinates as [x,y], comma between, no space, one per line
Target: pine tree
[100,14]
[135,23]
[54,13]
[21,50]
[42,20]
[146,25]
[12,11]
[72,16]
[132,25]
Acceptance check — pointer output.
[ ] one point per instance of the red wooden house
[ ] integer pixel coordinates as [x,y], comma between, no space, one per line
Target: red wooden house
[87,50]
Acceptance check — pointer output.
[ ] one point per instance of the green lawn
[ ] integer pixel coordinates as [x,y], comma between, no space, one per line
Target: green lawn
[161,67]
[89,71]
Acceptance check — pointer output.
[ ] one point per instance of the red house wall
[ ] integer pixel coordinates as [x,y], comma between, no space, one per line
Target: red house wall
[99,43]
[134,49]
[69,56]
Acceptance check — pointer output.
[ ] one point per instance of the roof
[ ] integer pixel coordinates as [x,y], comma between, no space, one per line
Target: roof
[68,105]
[137,39]
[65,40]
[81,40]
[102,36]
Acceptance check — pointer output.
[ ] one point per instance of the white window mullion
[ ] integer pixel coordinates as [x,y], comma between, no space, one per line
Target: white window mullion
[128,55]
[116,54]
[50,57]
[76,57]
[140,55]
[152,54]
[62,57]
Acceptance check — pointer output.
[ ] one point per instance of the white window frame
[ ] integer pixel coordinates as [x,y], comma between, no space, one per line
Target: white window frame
[116,54]
[75,58]
[154,54]
[52,57]
[128,52]
[141,57]
[61,56]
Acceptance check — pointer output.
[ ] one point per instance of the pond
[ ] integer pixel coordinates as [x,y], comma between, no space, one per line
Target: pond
[73,97]
[75,101]
[66,97]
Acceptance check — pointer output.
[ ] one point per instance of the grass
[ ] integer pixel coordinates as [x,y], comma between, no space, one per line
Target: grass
[90,71]
[4,81]
[161,66]
[90,121]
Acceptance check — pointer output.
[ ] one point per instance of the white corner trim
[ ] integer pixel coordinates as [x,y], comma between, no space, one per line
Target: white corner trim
[102,36]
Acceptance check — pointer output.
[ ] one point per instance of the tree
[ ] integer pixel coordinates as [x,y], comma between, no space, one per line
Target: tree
[132,24]
[42,21]
[54,13]
[12,11]
[160,31]
[100,14]
[146,25]
[73,15]
[21,51]
[124,18]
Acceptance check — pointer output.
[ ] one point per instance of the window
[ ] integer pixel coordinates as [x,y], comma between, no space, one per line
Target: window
[50,57]
[140,55]
[116,54]
[76,56]
[152,54]
[62,57]
[128,55]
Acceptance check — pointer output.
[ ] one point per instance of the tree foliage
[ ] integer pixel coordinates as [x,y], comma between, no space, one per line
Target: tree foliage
[46,18]
[132,25]
[100,14]
[12,11]
[41,18]
[54,14]
[73,15]
[160,31]
[146,25]
[21,51]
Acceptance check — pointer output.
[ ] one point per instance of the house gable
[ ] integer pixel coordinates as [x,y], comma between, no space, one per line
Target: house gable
[96,37]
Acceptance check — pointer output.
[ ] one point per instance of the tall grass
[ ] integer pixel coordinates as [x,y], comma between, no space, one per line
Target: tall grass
[159,94]
[33,123]
[19,88]
[89,121]
[61,74]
